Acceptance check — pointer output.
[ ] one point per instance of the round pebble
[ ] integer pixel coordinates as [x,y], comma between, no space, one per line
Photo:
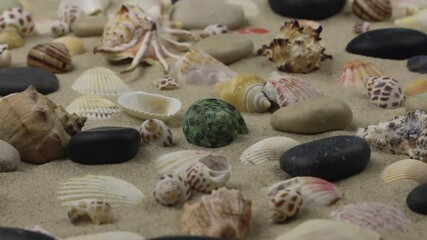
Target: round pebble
[89,26]
[21,234]
[307,9]
[9,157]
[416,102]
[417,199]
[330,158]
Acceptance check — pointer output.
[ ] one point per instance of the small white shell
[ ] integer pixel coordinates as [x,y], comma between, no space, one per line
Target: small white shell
[93,107]
[209,173]
[166,83]
[405,170]
[5,56]
[269,149]
[117,235]
[285,204]
[97,212]
[171,190]
[178,162]
[99,81]
[146,105]
[214,29]
[156,132]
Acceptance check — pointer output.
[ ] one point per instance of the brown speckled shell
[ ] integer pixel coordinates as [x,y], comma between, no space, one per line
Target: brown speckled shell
[385,92]
[53,57]
[19,19]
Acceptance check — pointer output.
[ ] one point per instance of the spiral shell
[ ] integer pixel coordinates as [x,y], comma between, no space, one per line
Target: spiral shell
[171,190]
[53,57]
[156,132]
[372,10]
[19,19]
[284,204]
[385,92]
[212,123]
[97,212]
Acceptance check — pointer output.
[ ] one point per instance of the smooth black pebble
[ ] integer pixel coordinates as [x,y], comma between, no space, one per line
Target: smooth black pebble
[417,199]
[104,145]
[389,43]
[307,9]
[417,64]
[330,158]
[21,234]
[18,79]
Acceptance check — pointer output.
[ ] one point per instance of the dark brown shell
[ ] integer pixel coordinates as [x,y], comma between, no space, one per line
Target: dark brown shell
[53,57]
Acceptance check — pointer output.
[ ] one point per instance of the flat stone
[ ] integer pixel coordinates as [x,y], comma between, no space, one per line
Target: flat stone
[21,234]
[104,145]
[227,48]
[197,14]
[389,44]
[416,102]
[417,64]
[307,9]
[18,79]
[9,157]
[417,199]
[330,158]
[313,116]
[89,26]
[6,4]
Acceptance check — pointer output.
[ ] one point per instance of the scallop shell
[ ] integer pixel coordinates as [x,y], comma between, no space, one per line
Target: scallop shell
[417,87]
[166,83]
[18,18]
[5,56]
[99,81]
[208,173]
[101,188]
[117,235]
[269,149]
[214,29]
[147,105]
[284,204]
[171,190]
[361,27]
[354,72]
[197,67]
[385,92]
[97,212]
[89,8]
[244,92]
[286,89]
[372,10]
[93,107]
[212,123]
[156,132]
[373,216]
[53,57]
[73,44]
[406,169]
[316,192]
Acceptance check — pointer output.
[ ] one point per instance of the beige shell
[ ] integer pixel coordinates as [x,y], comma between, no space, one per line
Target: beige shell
[417,21]
[96,212]
[354,72]
[37,127]
[269,149]
[53,57]
[93,107]
[171,190]
[116,235]
[223,213]
[11,37]
[284,204]
[408,169]
[5,56]
[156,132]
[361,27]
[73,44]
[372,10]
[99,81]
[166,83]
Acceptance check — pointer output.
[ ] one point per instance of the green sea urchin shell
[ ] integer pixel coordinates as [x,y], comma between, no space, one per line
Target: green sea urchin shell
[212,123]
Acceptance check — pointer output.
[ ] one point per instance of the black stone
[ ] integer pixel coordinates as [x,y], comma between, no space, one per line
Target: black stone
[21,234]
[307,9]
[417,64]
[104,145]
[417,199]
[389,43]
[190,238]
[330,158]
[17,79]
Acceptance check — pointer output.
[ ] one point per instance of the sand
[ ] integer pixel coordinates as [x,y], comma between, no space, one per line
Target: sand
[28,196]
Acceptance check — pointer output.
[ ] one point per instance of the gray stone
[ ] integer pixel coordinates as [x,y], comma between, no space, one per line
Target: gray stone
[197,14]
[89,26]
[416,102]
[9,157]
[6,4]
[312,116]
[227,48]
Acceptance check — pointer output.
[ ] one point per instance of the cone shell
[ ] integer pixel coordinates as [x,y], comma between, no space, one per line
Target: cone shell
[97,212]
[408,169]
[171,190]
[354,72]
[386,92]
[93,107]
[73,44]
[53,57]
[99,81]
[18,18]
[244,92]
[372,10]
[417,87]
[155,132]
[284,204]
[166,83]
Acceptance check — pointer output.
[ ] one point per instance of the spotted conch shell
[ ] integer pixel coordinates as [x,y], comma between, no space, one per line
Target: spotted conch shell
[97,212]
[385,92]
[155,132]
[244,92]
[171,189]
[296,48]
[67,16]
[18,18]
[285,204]
[37,127]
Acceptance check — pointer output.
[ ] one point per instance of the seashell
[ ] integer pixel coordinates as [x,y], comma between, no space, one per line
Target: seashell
[223,213]
[406,169]
[100,188]
[284,204]
[99,81]
[89,8]
[208,173]
[417,87]
[36,127]
[11,38]
[96,212]
[156,132]
[356,72]
[116,235]
[286,89]
[18,18]
[93,107]
[385,92]
[417,21]
[324,229]
[146,105]
[67,16]
[296,49]
[214,29]
[171,190]
[316,192]
[166,83]
[50,56]
[361,27]
[372,10]
[269,149]
[197,67]
[244,92]
[73,44]
[309,23]
[212,123]
[5,56]
[373,216]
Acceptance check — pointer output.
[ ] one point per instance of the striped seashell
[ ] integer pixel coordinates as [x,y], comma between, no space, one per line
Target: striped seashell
[372,10]
[269,149]
[385,92]
[361,27]
[18,18]
[116,235]
[356,72]
[53,57]
[408,169]
[93,107]
[96,212]
[284,204]
[99,81]
[417,87]
[73,44]
[171,190]
[156,132]
[166,83]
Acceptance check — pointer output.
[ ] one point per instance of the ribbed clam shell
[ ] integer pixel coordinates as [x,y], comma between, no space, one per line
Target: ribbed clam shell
[361,27]
[93,107]
[156,132]
[269,149]
[386,92]
[408,169]
[99,81]
[354,72]
[73,44]
[18,18]
[97,212]
[315,191]
[372,10]
[117,235]
[166,83]
[284,204]
[50,56]
[212,123]
[171,189]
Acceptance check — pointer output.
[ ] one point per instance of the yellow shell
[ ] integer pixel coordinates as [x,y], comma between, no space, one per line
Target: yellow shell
[416,87]
[73,44]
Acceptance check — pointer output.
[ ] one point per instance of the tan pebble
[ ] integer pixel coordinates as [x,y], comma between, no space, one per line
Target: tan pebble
[73,44]
[89,26]
[11,37]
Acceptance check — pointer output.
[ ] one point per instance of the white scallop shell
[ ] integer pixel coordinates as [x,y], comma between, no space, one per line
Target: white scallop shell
[171,190]
[116,235]
[103,188]
[155,132]
[99,81]
[93,107]
[285,204]
[89,7]
[97,212]
[269,149]
[147,105]
[406,169]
